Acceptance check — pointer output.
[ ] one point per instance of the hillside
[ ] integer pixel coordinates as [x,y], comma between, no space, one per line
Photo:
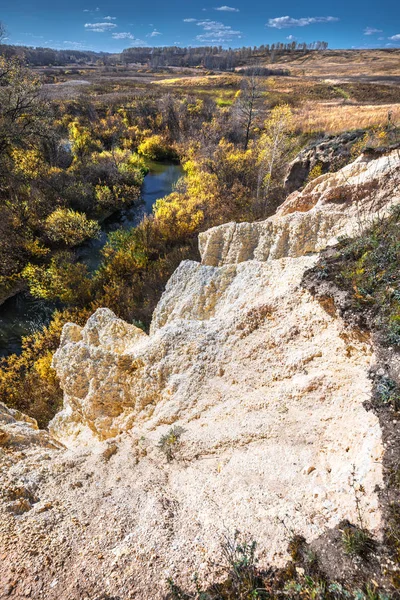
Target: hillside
[246,376]
[365,63]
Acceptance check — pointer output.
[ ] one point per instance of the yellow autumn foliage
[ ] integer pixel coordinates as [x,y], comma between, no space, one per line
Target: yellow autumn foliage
[70,227]
[178,216]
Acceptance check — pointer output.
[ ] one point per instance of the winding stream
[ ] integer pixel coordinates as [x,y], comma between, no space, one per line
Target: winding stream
[22,314]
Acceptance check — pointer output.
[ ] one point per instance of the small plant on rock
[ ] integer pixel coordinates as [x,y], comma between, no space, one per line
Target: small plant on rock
[388,392]
[315,172]
[241,561]
[296,546]
[356,541]
[170,442]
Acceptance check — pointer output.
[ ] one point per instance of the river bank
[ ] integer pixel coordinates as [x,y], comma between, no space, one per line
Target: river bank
[21,314]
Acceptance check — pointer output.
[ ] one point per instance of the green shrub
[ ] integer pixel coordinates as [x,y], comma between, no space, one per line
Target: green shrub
[62,279]
[388,392]
[315,172]
[70,227]
[156,148]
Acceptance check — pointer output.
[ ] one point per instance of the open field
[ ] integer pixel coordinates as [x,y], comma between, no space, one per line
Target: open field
[335,117]
[350,65]
[331,91]
[345,64]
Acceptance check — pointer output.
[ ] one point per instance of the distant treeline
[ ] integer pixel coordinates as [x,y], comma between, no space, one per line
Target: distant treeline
[212,57]
[209,57]
[46,56]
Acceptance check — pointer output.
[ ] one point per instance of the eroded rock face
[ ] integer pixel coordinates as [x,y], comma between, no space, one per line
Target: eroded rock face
[267,386]
[269,390]
[113,374]
[334,204]
[96,374]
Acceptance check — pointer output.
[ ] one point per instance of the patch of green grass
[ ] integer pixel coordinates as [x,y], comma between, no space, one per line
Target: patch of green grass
[223,102]
[243,580]
[357,542]
[341,92]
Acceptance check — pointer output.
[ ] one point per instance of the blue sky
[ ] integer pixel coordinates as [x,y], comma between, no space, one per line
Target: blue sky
[118,24]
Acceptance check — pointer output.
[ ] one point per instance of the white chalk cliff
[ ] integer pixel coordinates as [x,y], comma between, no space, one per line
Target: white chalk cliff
[268,387]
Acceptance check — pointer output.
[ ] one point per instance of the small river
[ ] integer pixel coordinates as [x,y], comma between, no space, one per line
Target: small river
[22,314]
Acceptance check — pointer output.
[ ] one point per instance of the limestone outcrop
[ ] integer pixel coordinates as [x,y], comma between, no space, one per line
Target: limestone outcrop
[266,386]
[332,205]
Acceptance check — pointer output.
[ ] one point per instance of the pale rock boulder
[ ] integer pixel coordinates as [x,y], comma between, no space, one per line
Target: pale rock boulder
[18,430]
[94,403]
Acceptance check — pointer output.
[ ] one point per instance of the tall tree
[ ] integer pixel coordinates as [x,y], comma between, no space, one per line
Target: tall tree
[247,103]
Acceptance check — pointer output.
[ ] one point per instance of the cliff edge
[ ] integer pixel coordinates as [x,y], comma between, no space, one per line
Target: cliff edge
[261,386]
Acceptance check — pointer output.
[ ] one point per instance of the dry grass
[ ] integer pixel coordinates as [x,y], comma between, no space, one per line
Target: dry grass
[334,117]
[207,81]
[343,63]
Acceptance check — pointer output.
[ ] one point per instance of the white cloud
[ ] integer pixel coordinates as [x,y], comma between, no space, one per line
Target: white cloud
[100,27]
[124,35]
[155,33]
[216,32]
[371,31]
[109,18]
[189,20]
[75,45]
[227,9]
[128,36]
[291,38]
[284,22]
[32,35]
[395,38]
[91,10]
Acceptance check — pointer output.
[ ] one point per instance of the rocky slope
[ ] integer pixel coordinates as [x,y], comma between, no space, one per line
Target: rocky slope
[266,384]
[329,154]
